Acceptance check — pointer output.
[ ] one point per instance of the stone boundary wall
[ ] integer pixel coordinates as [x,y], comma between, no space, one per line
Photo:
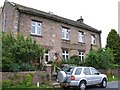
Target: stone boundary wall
[110,72]
[38,76]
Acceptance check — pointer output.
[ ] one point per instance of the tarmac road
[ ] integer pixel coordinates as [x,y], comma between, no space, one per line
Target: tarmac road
[114,85]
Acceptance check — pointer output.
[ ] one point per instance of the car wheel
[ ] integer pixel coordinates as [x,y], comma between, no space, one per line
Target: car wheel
[61,76]
[103,83]
[82,85]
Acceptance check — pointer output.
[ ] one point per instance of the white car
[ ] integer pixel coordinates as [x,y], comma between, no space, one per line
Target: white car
[81,77]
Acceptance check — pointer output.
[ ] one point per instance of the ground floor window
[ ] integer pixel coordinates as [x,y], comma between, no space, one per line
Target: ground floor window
[81,55]
[65,54]
[47,55]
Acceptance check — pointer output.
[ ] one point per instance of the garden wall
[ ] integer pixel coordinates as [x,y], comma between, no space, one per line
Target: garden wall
[115,72]
[37,76]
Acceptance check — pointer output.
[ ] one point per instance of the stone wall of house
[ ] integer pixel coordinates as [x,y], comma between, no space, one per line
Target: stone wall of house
[51,35]
[51,32]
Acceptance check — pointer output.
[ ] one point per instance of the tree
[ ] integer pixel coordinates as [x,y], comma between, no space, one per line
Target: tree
[113,42]
[17,50]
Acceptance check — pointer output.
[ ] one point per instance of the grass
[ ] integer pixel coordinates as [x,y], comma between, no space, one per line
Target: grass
[116,78]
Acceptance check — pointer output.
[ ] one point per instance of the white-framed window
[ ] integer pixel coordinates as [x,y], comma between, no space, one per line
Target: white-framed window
[36,27]
[65,33]
[47,55]
[81,37]
[81,55]
[93,39]
[65,54]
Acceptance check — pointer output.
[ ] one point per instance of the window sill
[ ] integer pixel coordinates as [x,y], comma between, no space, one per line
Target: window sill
[93,44]
[65,40]
[81,42]
[36,35]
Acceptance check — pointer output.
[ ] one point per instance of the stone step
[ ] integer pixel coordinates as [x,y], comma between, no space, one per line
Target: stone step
[56,85]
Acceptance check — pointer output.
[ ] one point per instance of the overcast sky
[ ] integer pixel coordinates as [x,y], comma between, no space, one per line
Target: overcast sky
[100,14]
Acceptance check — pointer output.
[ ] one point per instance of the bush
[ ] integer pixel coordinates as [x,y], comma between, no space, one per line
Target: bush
[15,67]
[27,80]
[73,60]
[17,49]
[102,58]
[27,67]
[7,83]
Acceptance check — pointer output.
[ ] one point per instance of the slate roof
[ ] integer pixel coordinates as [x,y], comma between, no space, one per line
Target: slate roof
[28,10]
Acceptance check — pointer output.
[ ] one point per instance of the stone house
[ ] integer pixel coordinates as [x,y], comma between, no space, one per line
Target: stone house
[60,36]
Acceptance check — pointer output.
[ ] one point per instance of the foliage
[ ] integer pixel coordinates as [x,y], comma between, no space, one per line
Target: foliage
[17,49]
[92,59]
[7,83]
[102,58]
[27,80]
[25,83]
[27,67]
[113,42]
[73,60]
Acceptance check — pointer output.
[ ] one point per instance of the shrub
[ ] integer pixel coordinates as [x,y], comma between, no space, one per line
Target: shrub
[17,49]
[15,67]
[7,83]
[27,67]
[102,58]
[75,60]
[27,80]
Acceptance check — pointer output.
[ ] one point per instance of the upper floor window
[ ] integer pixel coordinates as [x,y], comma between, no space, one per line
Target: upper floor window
[80,37]
[65,33]
[65,54]
[93,39]
[36,28]
[81,55]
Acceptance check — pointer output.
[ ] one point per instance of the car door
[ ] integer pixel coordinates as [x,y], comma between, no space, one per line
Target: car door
[96,77]
[88,76]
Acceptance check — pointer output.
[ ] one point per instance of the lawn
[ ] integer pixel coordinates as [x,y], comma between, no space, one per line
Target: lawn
[116,78]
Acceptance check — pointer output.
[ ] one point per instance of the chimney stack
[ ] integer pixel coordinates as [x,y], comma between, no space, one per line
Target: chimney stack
[80,20]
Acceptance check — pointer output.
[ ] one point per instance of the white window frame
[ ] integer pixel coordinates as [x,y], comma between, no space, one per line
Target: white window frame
[65,33]
[37,25]
[93,39]
[81,37]
[47,54]
[81,55]
[65,54]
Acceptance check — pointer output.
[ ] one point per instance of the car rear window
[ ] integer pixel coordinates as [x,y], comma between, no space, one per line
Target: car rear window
[78,71]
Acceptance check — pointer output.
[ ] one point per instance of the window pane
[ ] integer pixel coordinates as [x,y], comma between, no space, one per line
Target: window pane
[46,58]
[33,23]
[38,30]
[33,29]
[87,71]
[67,56]
[78,71]
[63,57]
[67,35]
[63,51]
[63,34]
[66,51]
